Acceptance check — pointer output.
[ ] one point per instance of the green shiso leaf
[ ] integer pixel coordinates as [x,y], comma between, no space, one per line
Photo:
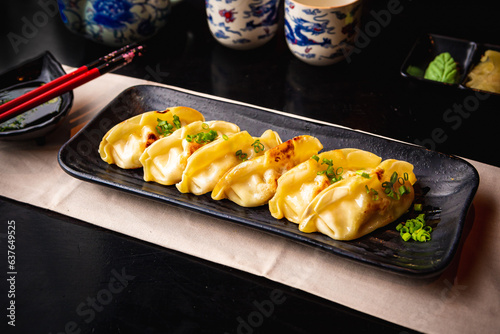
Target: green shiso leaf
[443,69]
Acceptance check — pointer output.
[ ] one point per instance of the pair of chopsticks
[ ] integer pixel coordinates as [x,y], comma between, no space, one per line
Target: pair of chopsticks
[65,83]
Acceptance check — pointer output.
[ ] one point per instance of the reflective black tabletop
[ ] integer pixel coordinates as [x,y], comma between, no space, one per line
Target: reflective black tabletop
[81,279]
[367,92]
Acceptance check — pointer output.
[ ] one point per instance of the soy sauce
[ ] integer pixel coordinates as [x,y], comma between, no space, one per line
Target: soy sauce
[31,117]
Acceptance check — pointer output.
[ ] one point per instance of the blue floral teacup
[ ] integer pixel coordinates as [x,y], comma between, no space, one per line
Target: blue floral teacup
[242,24]
[114,22]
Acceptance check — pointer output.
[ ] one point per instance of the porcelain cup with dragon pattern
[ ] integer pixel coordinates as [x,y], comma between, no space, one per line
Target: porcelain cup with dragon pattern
[322,32]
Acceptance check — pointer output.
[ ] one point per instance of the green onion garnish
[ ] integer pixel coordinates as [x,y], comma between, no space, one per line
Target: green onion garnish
[202,137]
[177,122]
[404,190]
[332,174]
[164,128]
[258,146]
[415,229]
[241,155]
[363,174]
[373,191]
[389,186]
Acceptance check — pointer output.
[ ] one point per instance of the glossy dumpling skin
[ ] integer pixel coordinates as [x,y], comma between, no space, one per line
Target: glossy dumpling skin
[208,164]
[164,161]
[125,142]
[253,182]
[298,187]
[346,210]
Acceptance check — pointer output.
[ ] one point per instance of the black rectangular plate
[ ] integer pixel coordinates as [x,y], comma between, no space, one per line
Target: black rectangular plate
[450,182]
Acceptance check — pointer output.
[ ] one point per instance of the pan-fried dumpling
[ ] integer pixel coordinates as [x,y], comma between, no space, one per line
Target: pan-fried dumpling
[125,142]
[208,164]
[297,187]
[356,206]
[254,182]
[165,159]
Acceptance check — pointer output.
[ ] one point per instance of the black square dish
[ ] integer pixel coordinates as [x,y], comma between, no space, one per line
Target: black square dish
[429,46]
[449,183]
[476,59]
[41,120]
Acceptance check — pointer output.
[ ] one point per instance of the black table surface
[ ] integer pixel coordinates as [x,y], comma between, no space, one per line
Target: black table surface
[69,267]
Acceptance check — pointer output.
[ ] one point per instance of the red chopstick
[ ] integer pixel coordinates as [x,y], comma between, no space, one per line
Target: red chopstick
[65,78]
[78,77]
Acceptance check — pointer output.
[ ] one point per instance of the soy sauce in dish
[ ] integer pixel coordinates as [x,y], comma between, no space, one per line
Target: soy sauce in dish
[31,117]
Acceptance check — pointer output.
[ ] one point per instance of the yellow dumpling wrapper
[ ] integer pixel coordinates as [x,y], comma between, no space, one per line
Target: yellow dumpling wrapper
[124,143]
[208,164]
[254,182]
[486,75]
[164,161]
[356,206]
[298,186]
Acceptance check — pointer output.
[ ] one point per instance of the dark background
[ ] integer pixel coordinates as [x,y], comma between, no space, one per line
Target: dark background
[368,93]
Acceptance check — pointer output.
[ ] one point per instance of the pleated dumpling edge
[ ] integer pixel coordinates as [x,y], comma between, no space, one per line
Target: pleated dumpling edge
[125,142]
[356,206]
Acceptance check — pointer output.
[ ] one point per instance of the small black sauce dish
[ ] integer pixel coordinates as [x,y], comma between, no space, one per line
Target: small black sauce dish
[466,54]
[476,59]
[428,47]
[37,122]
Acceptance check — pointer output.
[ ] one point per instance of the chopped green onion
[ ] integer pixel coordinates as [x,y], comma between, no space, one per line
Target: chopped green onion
[363,174]
[164,128]
[403,190]
[410,225]
[205,126]
[241,155]
[417,207]
[415,229]
[389,186]
[373,191]
[225,137]
[394,195]
[332,174]
[202,137]
[394,177]
[315,157]
[177,122]
[258,146]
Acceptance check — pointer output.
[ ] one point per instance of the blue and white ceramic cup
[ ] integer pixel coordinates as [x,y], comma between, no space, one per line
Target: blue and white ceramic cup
[114,22]
[321,32]
[242,24]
